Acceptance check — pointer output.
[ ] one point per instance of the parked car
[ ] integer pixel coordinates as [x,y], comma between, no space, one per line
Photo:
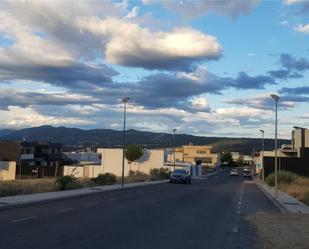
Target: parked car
[180,176]
[234,172]
[247,173]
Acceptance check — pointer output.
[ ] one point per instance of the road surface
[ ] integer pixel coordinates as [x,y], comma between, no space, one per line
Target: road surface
[209,213]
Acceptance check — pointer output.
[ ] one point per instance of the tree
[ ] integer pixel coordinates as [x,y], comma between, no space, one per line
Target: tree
[133,153]
[227,158]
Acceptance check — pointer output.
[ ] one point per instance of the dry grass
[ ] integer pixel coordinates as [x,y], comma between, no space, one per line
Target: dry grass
[29,186]
[298,189]
[288,231]
[136,178]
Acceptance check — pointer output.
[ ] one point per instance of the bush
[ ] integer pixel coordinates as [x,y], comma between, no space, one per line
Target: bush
[305,198]
[136,173]
[106,179]
[159,174]
[66,182]
[284,177]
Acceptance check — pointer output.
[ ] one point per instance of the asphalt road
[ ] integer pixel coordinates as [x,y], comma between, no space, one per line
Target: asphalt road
[208,213]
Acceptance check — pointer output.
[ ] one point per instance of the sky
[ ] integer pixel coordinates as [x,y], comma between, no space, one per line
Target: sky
[204,67]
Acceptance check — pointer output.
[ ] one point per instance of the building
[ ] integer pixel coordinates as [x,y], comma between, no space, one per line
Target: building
[7,170]
[39,159]
[9,159]
[195,155]
[83,164]
[292,157]
[112,161]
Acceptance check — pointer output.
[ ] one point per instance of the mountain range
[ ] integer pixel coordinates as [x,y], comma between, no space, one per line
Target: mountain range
[74,138]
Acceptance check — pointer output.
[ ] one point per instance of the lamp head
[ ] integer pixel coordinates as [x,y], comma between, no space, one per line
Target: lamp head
[174,130]
[262,131]
[125,99]
[275,96]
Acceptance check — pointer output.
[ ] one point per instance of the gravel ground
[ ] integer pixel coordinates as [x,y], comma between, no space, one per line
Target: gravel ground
[282,230]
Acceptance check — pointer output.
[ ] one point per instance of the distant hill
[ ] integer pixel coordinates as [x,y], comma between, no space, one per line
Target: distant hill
[5,132]
[74,138]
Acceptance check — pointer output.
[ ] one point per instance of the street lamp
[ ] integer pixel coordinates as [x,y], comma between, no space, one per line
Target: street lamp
[262,156]
[125,101]
[174,130]
[276,98]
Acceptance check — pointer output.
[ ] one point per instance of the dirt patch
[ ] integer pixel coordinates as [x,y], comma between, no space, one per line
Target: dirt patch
[282,230]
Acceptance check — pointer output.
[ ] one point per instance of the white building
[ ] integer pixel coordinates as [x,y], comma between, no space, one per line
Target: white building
[112,161]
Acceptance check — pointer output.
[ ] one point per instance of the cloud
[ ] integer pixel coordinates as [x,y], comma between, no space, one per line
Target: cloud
[18,118]
[129,45]
[302,28]
[295,90]
[193,9]
[262,102]
[291,63]
[12,97]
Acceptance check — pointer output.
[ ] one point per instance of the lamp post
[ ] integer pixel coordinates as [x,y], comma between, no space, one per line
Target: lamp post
[174,130]
[262,156]
[125,101]
[276,98]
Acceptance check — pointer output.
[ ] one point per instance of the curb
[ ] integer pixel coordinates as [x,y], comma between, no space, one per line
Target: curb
[95,190]
[271,198]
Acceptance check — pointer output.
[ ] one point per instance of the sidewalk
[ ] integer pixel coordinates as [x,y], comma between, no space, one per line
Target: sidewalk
[31,199]
[285,202]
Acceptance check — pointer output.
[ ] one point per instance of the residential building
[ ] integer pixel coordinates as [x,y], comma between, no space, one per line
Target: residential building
[39,159]
[83,164]
[293,157]
[195,155]
[7,170]
[112,161]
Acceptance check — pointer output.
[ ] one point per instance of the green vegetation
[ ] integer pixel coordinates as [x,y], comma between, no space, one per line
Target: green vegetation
[227,159]
[284,177]
[291,183]
[106,179]
[65,182]
[159,174]
[133,153]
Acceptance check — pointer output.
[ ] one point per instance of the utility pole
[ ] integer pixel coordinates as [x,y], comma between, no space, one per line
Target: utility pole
[174,144]
[276,98]
[125,101]
[262,156]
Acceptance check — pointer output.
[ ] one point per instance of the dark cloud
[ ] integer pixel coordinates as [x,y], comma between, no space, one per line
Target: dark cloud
[10,97]
[291,63]
[295,90]
[76,75]
[244,81]
[284,74]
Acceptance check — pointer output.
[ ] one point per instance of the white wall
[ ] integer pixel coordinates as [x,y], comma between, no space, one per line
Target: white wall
[7,170]
[112,161]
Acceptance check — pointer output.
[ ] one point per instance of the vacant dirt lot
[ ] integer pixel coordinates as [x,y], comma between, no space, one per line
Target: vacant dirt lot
[282,230]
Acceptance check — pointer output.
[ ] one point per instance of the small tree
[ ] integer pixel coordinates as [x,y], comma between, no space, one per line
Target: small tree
[227,158]
[133,153]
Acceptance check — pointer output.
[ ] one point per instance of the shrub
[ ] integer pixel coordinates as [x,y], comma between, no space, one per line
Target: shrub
[159,174]
[106,179]
[305,198]
[65,182]
[284,177]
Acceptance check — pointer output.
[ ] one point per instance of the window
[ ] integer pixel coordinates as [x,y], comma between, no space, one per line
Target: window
[201,152]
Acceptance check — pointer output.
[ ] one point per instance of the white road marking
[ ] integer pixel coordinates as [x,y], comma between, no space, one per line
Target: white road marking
[24,219]
[64,210]
[91,204]
[236,224]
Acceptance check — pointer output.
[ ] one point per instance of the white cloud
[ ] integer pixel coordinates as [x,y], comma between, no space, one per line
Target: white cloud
[194,9]
[133,13]
[302,28]
[17,117]
[130,45]
[290,2]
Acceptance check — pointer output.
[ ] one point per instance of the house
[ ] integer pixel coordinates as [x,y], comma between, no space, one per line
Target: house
[39,159]
[9,159]
[112,161]
[292,157]
[196,155]
[83,164]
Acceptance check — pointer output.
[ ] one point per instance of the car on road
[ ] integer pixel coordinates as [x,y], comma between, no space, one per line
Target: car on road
[247,173]
[180,176]
[234,172]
